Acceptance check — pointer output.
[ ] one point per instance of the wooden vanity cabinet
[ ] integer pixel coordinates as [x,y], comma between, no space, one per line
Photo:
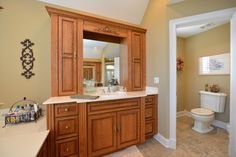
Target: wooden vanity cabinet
[150,116]
[113,125]
[97,128]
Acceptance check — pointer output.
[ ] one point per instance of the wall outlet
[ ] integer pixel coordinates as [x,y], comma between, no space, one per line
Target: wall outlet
[156,80]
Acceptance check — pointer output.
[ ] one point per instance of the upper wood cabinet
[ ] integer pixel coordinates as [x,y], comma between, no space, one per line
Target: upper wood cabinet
[67,56]
[138,61]
[67,32]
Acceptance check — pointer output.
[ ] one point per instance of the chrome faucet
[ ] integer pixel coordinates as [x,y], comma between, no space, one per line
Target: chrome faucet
[109,88]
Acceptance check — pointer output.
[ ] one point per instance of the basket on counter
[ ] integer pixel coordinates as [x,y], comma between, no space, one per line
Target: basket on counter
[23,111]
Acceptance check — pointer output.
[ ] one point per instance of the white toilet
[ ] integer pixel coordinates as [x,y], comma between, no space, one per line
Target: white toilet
[204,116]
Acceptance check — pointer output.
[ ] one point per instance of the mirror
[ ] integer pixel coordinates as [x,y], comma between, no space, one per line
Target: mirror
[101,62]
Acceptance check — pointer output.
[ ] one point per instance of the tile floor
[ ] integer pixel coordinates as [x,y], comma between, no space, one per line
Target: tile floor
[190,143]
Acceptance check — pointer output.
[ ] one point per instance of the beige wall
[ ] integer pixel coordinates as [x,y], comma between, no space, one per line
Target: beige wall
[213,42]
[20,20]
[181,76]
[156,20]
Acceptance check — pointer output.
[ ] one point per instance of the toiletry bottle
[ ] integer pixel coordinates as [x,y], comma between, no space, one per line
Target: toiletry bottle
[206,87]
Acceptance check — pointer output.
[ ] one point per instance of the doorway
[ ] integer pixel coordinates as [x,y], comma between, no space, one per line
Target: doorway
[222,14]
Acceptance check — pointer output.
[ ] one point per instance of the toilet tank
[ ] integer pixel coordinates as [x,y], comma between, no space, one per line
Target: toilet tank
[213,101]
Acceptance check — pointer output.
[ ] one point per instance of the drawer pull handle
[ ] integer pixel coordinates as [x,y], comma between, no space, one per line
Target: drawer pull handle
[66,109]
[67,149]
[67,127]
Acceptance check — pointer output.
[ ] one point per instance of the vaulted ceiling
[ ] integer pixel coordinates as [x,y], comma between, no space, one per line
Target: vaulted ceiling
[131,11]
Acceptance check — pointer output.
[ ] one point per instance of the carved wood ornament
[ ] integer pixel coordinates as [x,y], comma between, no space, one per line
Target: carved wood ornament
[106,29]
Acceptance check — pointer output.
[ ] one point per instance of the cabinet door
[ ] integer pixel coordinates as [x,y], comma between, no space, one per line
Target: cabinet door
[101,134]
[128,128]
[67,72]
[137,49]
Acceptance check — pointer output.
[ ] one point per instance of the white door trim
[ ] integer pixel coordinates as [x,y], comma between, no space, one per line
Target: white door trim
[232,148]
[173,24]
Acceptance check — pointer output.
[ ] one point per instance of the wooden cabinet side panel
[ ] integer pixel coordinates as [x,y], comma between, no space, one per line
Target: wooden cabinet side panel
[142,120]
[51,127]
[54,55]
[156,115]
[83,141]
[79,56]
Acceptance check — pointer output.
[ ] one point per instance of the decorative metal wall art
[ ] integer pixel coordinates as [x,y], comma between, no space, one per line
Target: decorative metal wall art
[27,58]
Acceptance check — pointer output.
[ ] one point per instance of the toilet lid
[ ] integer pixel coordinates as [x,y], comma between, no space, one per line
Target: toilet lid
[202,111]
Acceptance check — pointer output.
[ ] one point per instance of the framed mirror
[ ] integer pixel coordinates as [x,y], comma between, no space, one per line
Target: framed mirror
[101,62]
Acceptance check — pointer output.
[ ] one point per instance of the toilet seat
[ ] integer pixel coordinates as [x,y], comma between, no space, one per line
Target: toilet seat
[202,112]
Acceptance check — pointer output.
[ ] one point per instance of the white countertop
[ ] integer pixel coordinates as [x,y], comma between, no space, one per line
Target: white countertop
[67,99]
[24,139]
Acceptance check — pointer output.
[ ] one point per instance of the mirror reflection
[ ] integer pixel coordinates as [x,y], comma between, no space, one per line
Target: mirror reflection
[101,63]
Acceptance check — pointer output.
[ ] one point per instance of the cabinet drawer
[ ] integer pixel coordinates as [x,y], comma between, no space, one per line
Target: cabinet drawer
[149,112]
[114,105]
[68,147]
[105,29]
[149,99]
[66,127]
[69,109]
[149,127]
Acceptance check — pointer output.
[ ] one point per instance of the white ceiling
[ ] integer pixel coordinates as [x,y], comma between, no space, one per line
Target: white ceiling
[93,43]
[93,49]
[131,11]
[193,29]
[175,1]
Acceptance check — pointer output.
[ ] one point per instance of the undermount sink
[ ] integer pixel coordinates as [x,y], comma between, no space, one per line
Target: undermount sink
[113,95]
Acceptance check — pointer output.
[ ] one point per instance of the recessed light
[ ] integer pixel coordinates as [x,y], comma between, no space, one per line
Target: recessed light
[208,25]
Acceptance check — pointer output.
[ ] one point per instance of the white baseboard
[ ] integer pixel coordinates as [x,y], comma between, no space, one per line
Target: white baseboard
[168,143]
[215,123]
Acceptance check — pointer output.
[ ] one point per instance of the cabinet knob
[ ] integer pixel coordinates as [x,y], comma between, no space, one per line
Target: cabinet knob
[67,127]
[66,109]
[67,149]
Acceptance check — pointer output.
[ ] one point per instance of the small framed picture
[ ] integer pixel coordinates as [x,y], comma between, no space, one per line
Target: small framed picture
[215,65]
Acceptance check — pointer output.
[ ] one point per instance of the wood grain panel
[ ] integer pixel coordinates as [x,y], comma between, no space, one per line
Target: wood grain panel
[104,29]
[151,120]
[67,56]
[137,61]
[128,123]
[83,132]
[66,109]
[114,105]
[67,147]
[66,127]
[101,134]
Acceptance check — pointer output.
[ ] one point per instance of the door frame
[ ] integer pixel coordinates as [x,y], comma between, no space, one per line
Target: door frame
[173,24]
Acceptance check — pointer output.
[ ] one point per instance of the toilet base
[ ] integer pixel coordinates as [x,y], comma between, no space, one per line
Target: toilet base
[202,127]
